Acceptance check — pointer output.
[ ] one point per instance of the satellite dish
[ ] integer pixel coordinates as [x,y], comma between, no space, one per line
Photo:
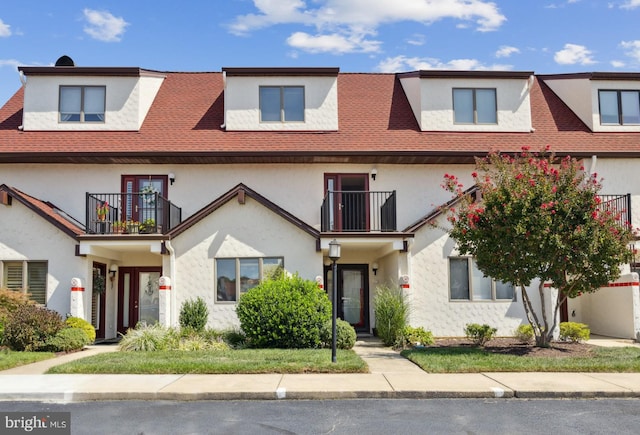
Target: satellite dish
[65,61]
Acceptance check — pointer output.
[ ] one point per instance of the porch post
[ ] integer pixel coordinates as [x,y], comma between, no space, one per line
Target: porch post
[76,306]
[164,302]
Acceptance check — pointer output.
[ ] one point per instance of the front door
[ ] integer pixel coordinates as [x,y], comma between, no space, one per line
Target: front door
[138,296]
[348,202]
[353,294]
[98,298]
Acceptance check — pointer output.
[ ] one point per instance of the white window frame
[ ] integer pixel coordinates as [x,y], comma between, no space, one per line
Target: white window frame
[475,107]
[470,284]
[283,108]
[240,287]
[83,103]
[25,278]
[620,106]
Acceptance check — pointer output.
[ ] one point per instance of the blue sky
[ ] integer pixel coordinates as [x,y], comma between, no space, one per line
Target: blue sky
[545,36]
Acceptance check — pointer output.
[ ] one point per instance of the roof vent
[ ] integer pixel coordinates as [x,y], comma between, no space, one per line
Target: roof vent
[65,61]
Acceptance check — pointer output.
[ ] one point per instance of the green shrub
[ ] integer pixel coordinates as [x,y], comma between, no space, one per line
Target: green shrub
[67,340]
[574,332]
[149,338]
[28,327]
[411,337]
[194,314]
[392,312]
[288,312]
[234,338]
[345,334]
[77,322]
[479,334]
[524,333]
[12,299]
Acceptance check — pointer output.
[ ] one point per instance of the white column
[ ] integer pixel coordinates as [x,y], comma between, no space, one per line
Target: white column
[77,298]
[165,301]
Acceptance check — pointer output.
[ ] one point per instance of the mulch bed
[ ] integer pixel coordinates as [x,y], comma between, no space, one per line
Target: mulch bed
[511,346]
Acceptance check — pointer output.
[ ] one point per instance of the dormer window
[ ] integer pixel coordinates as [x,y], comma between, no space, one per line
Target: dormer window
[82,103]
[474,106]
[619,107]
[282,103]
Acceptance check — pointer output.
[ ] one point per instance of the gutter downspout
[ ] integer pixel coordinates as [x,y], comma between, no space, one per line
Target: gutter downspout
[172,272]
[594,160]
[224,92]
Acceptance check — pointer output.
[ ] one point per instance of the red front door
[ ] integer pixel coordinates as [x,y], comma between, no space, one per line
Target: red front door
[138,296]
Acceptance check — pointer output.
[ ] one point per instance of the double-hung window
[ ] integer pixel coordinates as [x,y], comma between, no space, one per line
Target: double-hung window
[236,276]
[26,276]
[619,107]
[281,103]
[474,106]
[467,282]
[82,103]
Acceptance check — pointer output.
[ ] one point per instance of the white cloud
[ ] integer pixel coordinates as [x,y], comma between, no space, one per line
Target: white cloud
[416,39]
[404,63]
[5,29]
[574,54]
[103,26]
[12,63]
[506,51]
[351,19]
[630,4]
[632,49]
[618,64]
[333,43]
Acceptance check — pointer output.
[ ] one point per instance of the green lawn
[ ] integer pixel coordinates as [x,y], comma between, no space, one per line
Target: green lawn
[474,360]
[10,359]
[228,361]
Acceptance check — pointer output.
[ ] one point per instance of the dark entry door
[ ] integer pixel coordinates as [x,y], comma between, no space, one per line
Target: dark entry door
[348,202]
[138,296]
[353,294]
[98,298]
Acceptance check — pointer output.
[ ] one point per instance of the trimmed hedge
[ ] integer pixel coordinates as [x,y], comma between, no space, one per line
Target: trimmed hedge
[29,327]
[77,322]
[288,312]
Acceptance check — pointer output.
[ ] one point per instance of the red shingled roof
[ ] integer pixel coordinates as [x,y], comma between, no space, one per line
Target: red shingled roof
[376,124]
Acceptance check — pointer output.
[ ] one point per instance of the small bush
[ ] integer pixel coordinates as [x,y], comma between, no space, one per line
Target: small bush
[479,334]
[392,312]
[197,342]
[345,334]
[411,337]
[234,338]
[10,300]
[67,340]
[574,332]
[194,314]
[288,312]
[28,327]
[524,333]
[149,338]
[77,322]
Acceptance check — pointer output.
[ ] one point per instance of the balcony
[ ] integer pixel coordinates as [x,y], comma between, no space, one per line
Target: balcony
[618,204]
[130,213]
[357,211]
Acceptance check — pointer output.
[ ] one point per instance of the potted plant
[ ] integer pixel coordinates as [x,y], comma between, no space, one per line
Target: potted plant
[148,226]
[119,227]
[133,227]
[102,209]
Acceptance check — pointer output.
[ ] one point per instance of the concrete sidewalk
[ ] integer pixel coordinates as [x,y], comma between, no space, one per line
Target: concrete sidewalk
[391,376]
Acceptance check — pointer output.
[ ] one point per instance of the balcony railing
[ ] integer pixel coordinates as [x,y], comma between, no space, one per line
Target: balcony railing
[354,211]
[618,204]
[130,213]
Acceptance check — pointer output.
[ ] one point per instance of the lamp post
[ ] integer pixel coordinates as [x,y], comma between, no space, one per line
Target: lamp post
[334,255]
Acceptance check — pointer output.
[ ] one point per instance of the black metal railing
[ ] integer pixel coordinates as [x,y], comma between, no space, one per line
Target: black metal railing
[354,211]
[130,213]
[617,204]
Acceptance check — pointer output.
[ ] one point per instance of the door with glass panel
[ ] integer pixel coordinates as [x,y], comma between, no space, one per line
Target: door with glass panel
[348,202]
[141,198]
[138,296]
[353,294]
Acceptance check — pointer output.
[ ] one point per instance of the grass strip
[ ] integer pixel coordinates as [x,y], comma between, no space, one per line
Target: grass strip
[217,362]
[10,359]
[477,359]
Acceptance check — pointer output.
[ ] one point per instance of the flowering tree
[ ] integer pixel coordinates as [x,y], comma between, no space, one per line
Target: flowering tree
[540,218]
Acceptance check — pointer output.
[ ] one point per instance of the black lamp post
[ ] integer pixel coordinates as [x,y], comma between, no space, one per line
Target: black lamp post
[334,255]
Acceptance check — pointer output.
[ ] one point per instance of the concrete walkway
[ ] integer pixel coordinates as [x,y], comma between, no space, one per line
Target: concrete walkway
[391,376]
